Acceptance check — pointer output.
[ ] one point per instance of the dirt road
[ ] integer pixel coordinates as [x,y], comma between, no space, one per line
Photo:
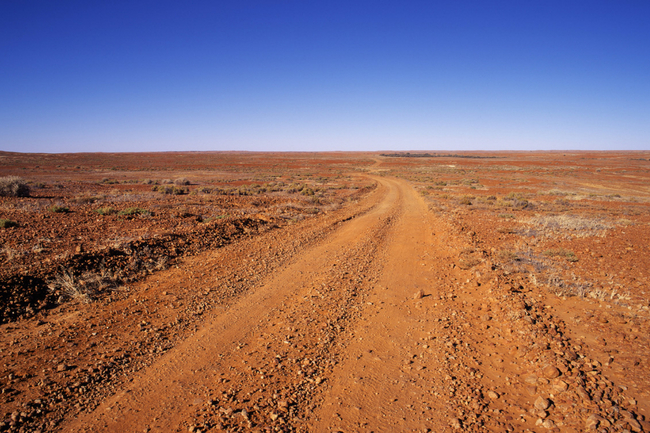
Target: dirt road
[343,317]
[360,321]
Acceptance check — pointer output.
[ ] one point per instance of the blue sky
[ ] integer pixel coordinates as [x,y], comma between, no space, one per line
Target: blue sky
[304,75]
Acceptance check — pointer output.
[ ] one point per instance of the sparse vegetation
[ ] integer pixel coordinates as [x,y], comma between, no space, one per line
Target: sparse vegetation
[467,200]
[568,225]
[506,256]
[561,252]
[213,218]
[485,272]
[6,223]
[85,288]
[13,186]
[171,190]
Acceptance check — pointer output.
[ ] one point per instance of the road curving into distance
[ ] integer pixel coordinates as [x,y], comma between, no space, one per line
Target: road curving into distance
[369,325]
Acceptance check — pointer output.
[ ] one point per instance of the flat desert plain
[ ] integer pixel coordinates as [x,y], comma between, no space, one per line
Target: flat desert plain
[315,292]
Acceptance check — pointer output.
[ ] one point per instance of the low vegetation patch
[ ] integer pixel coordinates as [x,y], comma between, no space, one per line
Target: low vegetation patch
[214,218]
[105,211]
[506,256]
[133,211]
[467,199]
[561,252]
[13,186]
[568,225]
[86,287]
[169,189]
[6,223]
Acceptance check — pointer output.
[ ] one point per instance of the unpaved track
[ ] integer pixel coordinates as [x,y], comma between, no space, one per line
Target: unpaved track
[373,386]
[372,328]
[164,394]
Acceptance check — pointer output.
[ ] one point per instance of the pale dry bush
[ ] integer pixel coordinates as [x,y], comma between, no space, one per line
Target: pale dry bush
[13,186]
[84,288]
[568,225]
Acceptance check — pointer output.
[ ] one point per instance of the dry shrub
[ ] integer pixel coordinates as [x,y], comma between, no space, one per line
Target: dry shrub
[568,225]
[84,288]
[561,252]
[58,208]
[105,210]
[506,256]
[466,263]
[466,200]
[13,186]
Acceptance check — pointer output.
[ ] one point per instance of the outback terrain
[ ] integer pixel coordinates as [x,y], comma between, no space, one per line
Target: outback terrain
[343,292]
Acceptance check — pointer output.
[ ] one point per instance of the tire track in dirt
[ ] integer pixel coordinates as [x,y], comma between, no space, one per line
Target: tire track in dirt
[83,353]
[165,394]
[375,328]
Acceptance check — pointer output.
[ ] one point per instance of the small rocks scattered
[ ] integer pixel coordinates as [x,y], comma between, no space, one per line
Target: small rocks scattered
[542,403]
[593,421]
[559,386]
[455,423]
[551,372]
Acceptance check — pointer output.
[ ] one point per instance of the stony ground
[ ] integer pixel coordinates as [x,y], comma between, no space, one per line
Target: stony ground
[416,294]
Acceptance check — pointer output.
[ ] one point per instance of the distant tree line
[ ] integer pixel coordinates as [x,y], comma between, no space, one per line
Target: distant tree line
[435,155]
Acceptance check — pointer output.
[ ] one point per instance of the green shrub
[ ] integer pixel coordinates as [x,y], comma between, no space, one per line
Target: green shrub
[59,209]
[214,218]
[13,186]
[5,223]
[132,211]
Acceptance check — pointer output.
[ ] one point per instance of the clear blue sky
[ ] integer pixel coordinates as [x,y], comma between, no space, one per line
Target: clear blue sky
[306,75]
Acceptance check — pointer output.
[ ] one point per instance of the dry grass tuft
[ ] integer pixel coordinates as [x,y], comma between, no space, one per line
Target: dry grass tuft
[85,288]
[567,226]
[561,252]
[13,186]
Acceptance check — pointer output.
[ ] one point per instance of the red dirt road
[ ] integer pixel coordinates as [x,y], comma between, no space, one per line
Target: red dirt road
[363,318]
[370,329]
